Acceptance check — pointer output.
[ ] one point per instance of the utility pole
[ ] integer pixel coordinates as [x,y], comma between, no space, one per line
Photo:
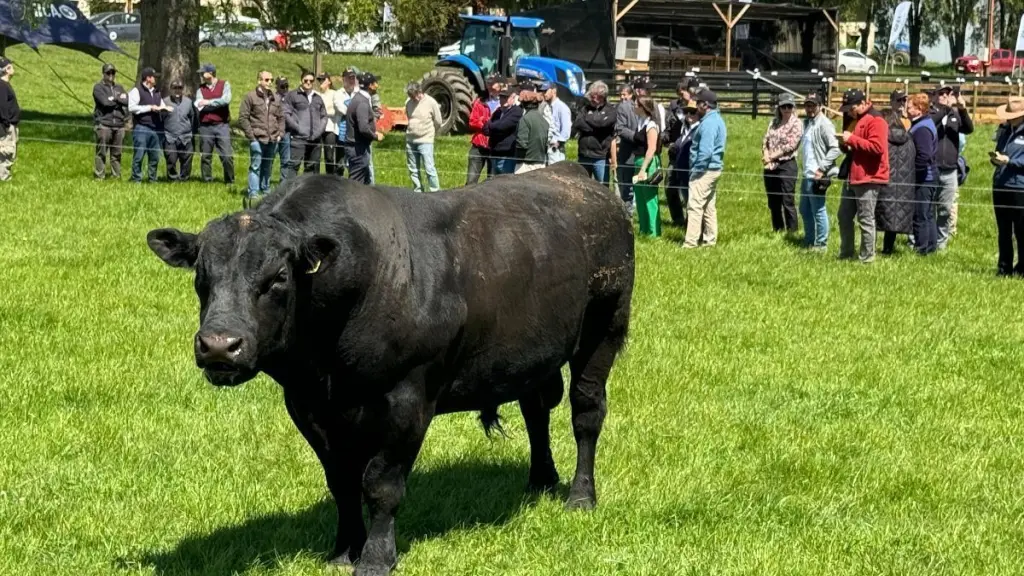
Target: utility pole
[991,19]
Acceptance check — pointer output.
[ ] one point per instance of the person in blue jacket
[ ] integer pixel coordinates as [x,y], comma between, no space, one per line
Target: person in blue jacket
[926,170]
[707,155]
[1008,185]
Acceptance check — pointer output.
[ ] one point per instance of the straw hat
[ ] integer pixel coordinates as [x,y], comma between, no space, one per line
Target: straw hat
[1012,109]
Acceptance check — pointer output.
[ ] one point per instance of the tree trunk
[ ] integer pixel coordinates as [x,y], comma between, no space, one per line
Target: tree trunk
[170,42]
[915,31]
[869,17]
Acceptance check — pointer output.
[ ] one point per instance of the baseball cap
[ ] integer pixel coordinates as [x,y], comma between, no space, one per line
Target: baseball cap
[108,67]
[545,86]
[351,71]
[897,95]
[813,98]
[207,68]
[786,99]
[147,72]
[851,98]
[947,89]
[367,79]
[706,95]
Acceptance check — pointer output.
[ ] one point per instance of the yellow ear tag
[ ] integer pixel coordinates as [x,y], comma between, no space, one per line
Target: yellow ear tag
[315,268]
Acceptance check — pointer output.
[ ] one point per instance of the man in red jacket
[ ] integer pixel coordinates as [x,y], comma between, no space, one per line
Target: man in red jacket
[479,150]
[868,149]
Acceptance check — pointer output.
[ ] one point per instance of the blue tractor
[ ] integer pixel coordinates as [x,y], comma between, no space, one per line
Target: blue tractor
[508,46]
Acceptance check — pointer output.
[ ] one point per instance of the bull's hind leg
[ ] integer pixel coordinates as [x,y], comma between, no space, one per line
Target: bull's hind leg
[536,408]
[604,331]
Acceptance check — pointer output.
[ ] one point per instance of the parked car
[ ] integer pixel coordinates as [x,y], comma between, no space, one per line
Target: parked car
[238,32]
[1002,63]
[854,61]
[374,42]
[119,25]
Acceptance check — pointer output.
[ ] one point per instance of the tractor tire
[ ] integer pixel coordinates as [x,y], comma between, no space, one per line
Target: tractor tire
[454,95]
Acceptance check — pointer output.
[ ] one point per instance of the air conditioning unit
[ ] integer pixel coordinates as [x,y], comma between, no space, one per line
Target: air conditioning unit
[635,49]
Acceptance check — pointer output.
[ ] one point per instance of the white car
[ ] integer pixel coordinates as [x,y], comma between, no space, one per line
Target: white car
[341,43]
[854,61]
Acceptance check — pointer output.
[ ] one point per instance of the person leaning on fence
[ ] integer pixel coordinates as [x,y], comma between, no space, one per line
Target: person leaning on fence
[180,124]
[261,118]
[595,128]
[110,114]
[894,212]
[1008,186]
[648,167]
[424,115]
[868,149]
[952,120]
[778,157]
[707,158]
[145,105]
[819,151]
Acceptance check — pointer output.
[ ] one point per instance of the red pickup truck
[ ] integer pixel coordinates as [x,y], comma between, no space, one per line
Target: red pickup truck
[1002,63]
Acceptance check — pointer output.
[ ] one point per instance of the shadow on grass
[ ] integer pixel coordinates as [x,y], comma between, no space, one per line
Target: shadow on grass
[437,502]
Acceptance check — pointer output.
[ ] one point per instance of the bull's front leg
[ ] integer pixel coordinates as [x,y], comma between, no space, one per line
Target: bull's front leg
[401,425]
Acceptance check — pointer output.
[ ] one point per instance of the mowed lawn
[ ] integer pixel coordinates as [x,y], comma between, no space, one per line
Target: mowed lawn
[776,412]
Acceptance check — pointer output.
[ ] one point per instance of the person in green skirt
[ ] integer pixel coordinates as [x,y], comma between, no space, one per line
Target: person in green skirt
[648,168]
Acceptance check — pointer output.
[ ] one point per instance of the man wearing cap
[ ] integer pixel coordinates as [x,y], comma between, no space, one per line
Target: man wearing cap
[360,131]
[868,147]
[10,117]
[305,119]
[349,86]
[532,133]
[707,158]
[819,151]
[180,123]
[329,140]
[561,123]
[675,126]
[110,114]
[262,120]
[501,131]
[378,112]
[952,120]
[213,100]
[145,105]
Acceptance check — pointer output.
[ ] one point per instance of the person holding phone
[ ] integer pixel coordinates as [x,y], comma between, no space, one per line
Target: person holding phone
[1008,186]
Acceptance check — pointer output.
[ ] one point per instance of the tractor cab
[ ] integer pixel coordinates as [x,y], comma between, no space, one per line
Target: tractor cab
[484,36]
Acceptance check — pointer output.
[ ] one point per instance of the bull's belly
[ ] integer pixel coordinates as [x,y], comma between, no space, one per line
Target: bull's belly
[492,379]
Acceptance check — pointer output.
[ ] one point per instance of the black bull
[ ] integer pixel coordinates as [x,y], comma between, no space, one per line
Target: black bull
[377,308]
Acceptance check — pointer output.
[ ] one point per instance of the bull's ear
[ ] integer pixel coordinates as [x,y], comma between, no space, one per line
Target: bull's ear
[174,247]
[318,253]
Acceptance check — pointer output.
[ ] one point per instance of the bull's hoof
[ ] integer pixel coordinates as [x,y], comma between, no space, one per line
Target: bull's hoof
[543,483]
[370,570]
[581,497]
[341,560]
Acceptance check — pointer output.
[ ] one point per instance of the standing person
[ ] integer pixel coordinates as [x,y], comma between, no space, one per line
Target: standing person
[329,141]
[868,149]
[626,125]
[360,132]
[894,213]
[10,117]
[1008,186]
[261,118]
[675,125]
[681,160]
[145,106]
[926,174]
[778,156]
[648,167]
[305,119]
[349,86]
[372,88]
[110,114]
[501,131]
[284,148]
[951,120]
[479,150]
[532,131]
[561,123]
[707,157]
[180,123]
[819,153]
[213,100]
[595,128]
[424,121]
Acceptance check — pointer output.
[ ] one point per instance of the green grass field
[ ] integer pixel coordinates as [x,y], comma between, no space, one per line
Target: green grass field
[776,412]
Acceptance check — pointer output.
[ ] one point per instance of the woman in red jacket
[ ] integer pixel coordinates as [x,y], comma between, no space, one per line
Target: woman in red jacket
[479,149]
[868,147]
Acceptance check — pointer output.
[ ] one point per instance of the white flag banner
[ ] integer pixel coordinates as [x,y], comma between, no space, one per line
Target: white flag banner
[899,21]
[1020,36]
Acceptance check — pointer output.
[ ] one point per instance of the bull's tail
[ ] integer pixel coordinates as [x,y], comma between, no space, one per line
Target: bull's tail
[491,421]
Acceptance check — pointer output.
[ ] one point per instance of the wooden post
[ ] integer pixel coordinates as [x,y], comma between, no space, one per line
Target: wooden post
[728,41]
[974,100]
[615,29]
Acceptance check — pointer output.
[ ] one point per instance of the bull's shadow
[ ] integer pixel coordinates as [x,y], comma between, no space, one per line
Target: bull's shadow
[437,501]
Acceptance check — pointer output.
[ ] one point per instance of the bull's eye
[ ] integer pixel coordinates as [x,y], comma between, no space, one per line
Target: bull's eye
[282,277]
[277,281]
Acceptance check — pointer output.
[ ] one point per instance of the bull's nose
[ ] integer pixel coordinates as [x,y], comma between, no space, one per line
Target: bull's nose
[217,348]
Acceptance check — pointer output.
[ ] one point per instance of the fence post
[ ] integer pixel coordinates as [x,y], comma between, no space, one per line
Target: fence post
[974,100]
[756,98]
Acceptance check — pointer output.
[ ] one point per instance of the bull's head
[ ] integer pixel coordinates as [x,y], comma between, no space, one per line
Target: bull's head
[250,273]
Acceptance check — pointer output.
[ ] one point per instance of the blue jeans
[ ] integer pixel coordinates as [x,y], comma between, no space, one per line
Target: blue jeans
[503,165]
[416,154]
[261,164]
[146,141]
[812,210]
[597,168]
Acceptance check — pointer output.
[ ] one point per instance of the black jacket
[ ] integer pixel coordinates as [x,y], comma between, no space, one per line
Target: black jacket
[501,130]
[361,124]
[950,124]
[10,112]
[305,117]
[595,128]
[675,117]
[894,211]
[110,105]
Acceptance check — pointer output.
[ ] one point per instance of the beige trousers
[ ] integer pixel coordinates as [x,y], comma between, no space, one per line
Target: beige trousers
[702,216]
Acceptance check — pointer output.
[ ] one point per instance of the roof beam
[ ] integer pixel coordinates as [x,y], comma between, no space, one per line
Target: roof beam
[625,10]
